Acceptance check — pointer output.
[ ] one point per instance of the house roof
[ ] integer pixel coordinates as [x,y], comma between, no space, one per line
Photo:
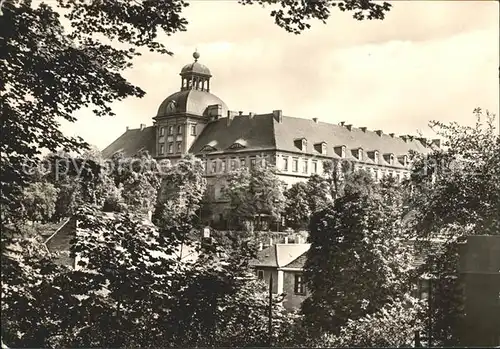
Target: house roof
[336,135]
[259,132]
[133,141]
[254,133]
[264,132]
[280,255]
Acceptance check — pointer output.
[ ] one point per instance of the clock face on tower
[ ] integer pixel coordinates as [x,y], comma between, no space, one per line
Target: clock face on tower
[171,107]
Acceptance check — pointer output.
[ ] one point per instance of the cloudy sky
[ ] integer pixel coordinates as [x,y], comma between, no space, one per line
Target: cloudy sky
[427,60]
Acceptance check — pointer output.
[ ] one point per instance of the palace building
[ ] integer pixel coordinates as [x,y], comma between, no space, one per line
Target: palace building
[193,120]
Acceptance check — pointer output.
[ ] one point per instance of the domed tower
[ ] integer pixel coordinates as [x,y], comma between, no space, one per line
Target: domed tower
[182,116]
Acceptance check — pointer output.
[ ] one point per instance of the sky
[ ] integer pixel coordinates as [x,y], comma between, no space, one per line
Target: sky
[428,60]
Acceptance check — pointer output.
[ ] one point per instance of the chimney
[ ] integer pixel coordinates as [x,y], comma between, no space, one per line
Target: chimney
[392,135]
[126,129]
[342,123]
[315,120]
[363,129]
[143,126]
[230,116]
[404,138]
[349,127]
[278,115]
[286,239]
[379,132]
[240,113]
[436,142]
[261,246]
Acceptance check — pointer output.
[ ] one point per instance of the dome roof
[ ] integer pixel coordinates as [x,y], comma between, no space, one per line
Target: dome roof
[190,101]
[195,68]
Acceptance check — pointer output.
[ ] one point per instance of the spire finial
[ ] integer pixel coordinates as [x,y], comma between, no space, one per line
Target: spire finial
[196,55]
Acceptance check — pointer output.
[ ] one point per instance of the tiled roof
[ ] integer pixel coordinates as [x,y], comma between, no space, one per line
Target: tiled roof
[253,132]
[336,135]
[132,141]
[265,132]
[280,255]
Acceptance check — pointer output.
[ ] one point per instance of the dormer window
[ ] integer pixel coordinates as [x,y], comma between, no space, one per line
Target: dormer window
[389,158]
[373,155]
[208,148]
[301,143]
[236,146]
[320,148]
[340,150]
[358,153]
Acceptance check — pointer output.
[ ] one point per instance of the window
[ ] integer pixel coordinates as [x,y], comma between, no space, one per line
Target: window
[305,162]
[162,131]
[295,165]
[193,130]
[315,167]
[179,147]
[260,274]
[252,163]
[243,162]
[223,166]
[233,164]
[170,130]
[299,287]
[343,152]
[179,129]
[204,164]
[214,166]
[170,148]
[285,164]
[162,148]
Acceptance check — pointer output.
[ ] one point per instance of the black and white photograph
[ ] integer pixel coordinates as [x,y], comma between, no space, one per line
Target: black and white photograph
[250,173]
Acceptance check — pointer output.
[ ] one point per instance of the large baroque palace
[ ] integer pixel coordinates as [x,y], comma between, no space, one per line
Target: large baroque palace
[194,120]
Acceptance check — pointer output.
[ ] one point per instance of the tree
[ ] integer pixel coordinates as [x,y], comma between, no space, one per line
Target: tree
[138,179]
[38,201]
[356,263]
[456,193]
[254,193]
[394,325]
[182,188]
[297,209]
[79,179]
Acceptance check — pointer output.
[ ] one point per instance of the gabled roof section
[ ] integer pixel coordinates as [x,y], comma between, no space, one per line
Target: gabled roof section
[280,255]
[132,141]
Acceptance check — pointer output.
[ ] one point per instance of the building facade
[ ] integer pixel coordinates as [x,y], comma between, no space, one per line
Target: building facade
[193,120]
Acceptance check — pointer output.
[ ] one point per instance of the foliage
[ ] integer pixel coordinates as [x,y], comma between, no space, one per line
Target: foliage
[253,193]
[456,194]
[79,180]
[393,325]
[458,185]
[138,179]
[294,16]
[182,188]
[297,210]
[38,201]
[130,289]
[355,249]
